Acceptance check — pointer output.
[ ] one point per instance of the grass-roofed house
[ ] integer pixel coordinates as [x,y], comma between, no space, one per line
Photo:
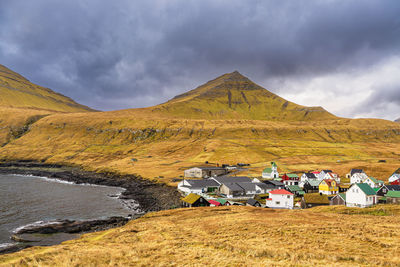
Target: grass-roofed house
[314,199]
[194,200]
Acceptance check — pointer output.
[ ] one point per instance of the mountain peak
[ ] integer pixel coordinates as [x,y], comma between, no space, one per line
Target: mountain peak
[234,96]
[235,77]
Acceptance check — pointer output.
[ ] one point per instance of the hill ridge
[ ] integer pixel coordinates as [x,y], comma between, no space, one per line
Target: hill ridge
[18,92]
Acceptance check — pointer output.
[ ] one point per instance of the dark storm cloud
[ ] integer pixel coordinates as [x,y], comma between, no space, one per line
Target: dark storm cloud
[122,54]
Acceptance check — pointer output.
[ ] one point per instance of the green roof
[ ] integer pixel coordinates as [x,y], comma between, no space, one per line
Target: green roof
[294,188]
[273,164]
[314,182]
[376,181]
[292,175]
[278,179]
[376,189]
[267,170]
[366,189]
[343,195]
[393,194]
[191,198]
[222,201]
[301,192]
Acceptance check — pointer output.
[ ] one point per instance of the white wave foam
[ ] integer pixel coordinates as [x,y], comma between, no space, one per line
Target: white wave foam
[35,224]
[6,245]
[56,180]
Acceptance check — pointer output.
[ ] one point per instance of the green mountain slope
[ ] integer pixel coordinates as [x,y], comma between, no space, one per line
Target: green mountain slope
[233,96]
[18,92]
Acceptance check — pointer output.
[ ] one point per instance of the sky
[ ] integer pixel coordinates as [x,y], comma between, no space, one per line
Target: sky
[343,55]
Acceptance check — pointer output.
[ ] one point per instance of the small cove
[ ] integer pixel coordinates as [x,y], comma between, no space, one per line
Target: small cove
[29,199]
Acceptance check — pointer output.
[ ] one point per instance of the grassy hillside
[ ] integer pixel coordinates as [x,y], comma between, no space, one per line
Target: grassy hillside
[233,96]
[163,146]
[160,142]
[17,92]
[234,236]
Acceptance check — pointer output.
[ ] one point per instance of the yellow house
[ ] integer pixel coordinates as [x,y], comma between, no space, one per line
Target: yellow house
[328,187]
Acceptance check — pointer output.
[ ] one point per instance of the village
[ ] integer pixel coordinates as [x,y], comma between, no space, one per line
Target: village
[218,186]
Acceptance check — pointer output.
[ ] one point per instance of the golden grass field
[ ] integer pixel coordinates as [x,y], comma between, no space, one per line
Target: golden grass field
[234,236]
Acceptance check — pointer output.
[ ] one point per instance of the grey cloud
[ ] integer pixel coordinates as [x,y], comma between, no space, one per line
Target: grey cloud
[122,54]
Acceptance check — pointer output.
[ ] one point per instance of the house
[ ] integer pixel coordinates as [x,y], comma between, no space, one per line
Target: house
[223,202]
[198,186]
[321,175]
[204,172]
[339,199]
[214,203]
[395,182]
[393,197]
[272,185]
[290,179]
[231,190]
[374,183]
[332,175]
[314,199]
[311,186]
[280,199]
[295,189]
[328,187]
[194,200]
[308,176]
[253,202]
[358,177]
[353,171]
[386,188]
[361,195]
[344,187]
[231,179]
[272,172]
[395,176]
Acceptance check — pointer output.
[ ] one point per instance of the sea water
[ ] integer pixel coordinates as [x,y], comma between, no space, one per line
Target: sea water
[29,199]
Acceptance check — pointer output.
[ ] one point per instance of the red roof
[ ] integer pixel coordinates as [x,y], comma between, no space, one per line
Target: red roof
[329,182]
[395,182]
[214,202]
[269,198]
[316,172]
[280,192]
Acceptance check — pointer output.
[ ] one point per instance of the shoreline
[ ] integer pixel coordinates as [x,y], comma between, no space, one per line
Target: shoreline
[149,197]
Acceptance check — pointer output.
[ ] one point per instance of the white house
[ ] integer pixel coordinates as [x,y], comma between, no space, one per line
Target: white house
[358,178]
[332,175]
[322,174]
[308,176]
[280,199]
[360,195]
[270,173]
[198,186]
[395,176]
[374,183]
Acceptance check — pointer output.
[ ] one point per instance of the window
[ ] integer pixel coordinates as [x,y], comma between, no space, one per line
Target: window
[277,202]
[288,196]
